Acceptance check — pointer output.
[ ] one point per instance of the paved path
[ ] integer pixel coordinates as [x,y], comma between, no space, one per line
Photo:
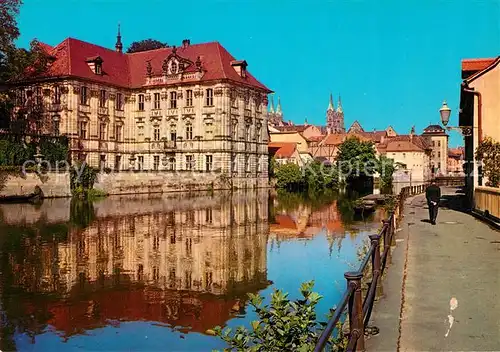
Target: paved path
[442,290]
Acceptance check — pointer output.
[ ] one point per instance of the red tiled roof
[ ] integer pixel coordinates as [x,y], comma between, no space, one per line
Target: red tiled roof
[292,128]
[476,64]
[334,139]
[404,143]
[129,70]
[315,138]
[283,150]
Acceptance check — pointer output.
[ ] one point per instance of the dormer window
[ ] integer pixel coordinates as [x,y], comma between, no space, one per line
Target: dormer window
[240,66]
[95,64]
[173,67]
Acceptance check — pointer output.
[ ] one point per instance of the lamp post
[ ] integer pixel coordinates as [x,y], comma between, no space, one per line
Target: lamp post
[445,113]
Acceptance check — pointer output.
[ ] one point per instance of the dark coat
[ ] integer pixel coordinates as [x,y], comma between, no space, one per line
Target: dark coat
[433,193]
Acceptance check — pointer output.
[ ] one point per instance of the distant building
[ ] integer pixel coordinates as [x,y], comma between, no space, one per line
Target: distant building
[285,153]
[438,140]
[456,161]
[335,117]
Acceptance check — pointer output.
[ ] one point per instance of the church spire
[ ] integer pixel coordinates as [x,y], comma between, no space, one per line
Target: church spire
[119,45]
[339,106]
[271,108]
[330,104]
[278,107]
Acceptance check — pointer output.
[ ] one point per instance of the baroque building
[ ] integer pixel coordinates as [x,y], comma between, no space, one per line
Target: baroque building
[192,108]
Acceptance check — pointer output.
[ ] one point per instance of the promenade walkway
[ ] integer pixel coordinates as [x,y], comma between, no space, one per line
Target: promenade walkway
[442,290]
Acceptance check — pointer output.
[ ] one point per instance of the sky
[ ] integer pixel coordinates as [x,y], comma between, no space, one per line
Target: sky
[392,62]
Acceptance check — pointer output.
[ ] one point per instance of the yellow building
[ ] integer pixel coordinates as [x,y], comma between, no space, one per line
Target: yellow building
[193,108]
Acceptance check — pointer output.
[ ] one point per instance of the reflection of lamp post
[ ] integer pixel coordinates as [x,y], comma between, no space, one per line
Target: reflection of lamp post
[445,113]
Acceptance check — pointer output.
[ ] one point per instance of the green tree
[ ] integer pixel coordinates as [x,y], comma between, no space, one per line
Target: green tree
[284,325]
[488,153]
[289,176]
[145,45]
[319,176]
[356,159]
[386,168]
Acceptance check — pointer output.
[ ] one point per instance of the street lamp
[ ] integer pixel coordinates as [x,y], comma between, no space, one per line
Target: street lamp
[445,113]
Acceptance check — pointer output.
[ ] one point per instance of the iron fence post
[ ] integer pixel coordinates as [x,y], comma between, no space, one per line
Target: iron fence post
[376,262]
[356,324]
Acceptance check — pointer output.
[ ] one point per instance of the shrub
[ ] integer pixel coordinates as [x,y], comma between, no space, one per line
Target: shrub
[285,325]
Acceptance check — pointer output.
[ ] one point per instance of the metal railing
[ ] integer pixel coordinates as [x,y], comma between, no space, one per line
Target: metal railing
[359,308]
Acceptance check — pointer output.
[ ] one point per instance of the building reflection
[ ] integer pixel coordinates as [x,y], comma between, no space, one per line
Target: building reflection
[188,263]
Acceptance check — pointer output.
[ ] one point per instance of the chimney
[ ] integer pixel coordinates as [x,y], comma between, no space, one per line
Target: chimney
[186,43]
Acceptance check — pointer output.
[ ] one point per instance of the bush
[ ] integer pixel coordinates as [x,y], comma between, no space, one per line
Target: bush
[285,325]
[289,176]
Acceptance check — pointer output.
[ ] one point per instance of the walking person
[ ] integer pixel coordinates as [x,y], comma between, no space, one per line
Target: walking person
[433,194]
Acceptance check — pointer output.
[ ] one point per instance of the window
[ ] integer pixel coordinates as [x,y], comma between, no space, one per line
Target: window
[234,102]
[84,96]
[173,100]
[189,97]
[439,143]
[102,131]
[157,101]
[56,127]
[234,166]
[258,106]
[57,95]
[208,131]
[248,136]
[171,164]
[140,132]
[140,162]
[118,133]
[189,162]
[38,96]
[189,131]
[247,103]
[439,166]
[404,155]
[210,97]
[119,101]
[102,98]
[156,162]
[257,134]
[118,160]
[173,133]
[156,134]
[208,215]
[173,67]
[439,154]
[208,162]
[82,130]
[98,68]
[247,163]
[103,161]
[141,102]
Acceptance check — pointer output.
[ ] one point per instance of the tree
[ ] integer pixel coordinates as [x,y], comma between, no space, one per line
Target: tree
[386,168]
[488,153]
[285,325]
[9,9]
[145,45]
[289,176]
[356,159]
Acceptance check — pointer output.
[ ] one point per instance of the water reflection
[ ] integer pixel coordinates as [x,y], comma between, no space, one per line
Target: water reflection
[85,274]
[187,263]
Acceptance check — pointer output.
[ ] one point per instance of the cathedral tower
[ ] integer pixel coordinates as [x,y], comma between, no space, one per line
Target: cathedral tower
[335,117]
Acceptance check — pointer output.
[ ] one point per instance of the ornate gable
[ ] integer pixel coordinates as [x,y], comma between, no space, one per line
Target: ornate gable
[356,128]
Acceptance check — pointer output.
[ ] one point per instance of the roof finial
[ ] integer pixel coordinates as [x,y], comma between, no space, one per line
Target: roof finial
[339,105]
[278,107]
[119,45]
[330,104]
[271,108]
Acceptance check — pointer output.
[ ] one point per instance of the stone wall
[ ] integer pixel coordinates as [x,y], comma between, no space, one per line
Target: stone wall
[56,185]
[53,184]
[164,182]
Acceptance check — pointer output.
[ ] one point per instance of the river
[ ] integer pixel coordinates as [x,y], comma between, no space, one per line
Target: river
[155,273]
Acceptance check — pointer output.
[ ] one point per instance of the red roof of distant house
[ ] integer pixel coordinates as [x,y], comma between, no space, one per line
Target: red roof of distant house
[283,149]
[130,70]
[292,128]
[476,64]
[315,138]
[405,143]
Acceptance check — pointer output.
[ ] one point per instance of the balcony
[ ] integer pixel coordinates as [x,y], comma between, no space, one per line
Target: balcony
[102,110]
[55,107]
[162,145]
[156,113]
[208,110]
[235,111]
[119,113]
[77,144]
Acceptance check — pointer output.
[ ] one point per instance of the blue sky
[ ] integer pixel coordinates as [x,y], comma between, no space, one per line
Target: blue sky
[393,62]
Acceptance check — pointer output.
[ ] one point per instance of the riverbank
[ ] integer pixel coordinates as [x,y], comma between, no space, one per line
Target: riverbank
[442,290]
